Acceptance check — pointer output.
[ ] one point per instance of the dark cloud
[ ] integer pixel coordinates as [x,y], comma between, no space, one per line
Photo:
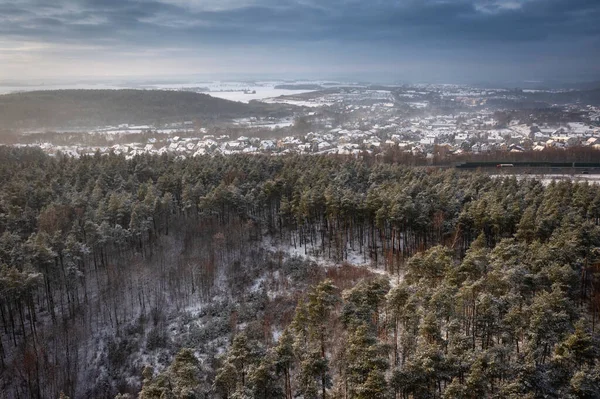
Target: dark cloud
[472,29]
[298,20]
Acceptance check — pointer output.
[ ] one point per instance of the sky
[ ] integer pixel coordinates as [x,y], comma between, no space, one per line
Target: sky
[439,41]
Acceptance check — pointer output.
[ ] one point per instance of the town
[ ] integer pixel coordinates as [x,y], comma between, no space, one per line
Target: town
[352,119]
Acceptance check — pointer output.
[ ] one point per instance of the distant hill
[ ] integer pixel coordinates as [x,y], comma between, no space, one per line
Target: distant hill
[590,97]
[545,99]
[90,108]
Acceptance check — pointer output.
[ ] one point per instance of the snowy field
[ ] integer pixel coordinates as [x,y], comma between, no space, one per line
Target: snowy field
[315,103]
[254,93]
[260,94]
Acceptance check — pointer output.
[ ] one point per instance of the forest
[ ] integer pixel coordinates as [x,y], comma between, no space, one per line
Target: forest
[293,277]
[55,109]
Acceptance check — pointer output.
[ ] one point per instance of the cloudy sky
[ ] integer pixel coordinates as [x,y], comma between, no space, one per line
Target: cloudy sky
[408,40]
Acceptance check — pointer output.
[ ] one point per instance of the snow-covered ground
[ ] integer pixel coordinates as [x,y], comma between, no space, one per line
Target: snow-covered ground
[313,253]
[546,179]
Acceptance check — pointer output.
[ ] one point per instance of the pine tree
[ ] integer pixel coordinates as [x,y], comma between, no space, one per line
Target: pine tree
[284,360]
[184,374]
[321,301]
[158,387]
[232,376]
[366,363]
[226,380]
[262,379]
